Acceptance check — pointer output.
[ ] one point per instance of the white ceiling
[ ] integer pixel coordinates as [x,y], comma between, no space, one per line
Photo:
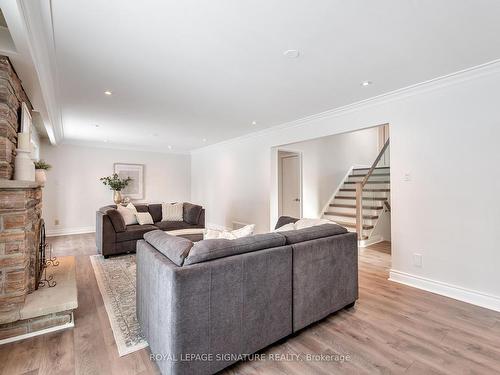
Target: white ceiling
[182,71]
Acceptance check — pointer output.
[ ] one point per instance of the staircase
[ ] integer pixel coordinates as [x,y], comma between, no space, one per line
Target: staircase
[342,209]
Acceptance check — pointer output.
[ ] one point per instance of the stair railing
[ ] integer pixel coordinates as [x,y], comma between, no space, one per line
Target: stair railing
[359,192]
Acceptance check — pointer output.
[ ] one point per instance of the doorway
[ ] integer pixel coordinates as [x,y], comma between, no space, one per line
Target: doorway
[290,183]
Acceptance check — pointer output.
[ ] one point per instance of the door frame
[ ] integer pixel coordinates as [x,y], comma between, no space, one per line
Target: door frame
[279,158]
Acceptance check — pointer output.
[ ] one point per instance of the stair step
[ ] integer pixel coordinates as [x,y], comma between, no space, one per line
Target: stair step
[367,169]
[343,214]
[364,174]
[364,198]
[354,206]
[368,183]
[352,225]
[372,190]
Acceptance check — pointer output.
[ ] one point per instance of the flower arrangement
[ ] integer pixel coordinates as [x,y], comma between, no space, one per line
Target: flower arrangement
[115,183]
[41,164]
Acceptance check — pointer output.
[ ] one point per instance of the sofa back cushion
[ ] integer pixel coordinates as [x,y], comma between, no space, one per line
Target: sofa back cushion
[174,248]
[312,233]
[141,207]
[155,211]
[117,220]
[191,213]
[205,250]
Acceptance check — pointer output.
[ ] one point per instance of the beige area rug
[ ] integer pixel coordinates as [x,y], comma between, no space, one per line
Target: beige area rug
[116,280]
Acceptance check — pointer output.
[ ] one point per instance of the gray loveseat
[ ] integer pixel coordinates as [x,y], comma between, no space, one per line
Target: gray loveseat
[114,237]
[203,306]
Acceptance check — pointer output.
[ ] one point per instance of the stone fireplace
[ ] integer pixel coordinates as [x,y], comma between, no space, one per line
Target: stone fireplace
[24,310]
[20,213]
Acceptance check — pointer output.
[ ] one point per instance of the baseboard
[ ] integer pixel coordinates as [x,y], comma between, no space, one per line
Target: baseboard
[69,231]
[370,241]
[448,290]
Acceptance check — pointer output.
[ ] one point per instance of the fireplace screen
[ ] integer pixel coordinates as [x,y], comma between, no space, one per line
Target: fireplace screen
[40,259]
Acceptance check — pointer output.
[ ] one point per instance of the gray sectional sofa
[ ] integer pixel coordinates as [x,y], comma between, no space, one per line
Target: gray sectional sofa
[203,306]
[114,237]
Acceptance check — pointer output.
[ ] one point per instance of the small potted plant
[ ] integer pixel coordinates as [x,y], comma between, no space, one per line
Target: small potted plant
[40,171]
[116,184]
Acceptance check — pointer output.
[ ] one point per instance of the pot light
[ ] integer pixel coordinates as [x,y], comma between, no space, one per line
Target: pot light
[169,147]
[107,92]
[204,139]
[105,141]
[366,83]
[254,122]
[292,53]
[96,125]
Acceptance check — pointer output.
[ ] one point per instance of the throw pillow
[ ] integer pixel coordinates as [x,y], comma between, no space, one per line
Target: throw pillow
[210,234]
[286,227]
[307,223]
[128,213]
[172,212]
[144,218]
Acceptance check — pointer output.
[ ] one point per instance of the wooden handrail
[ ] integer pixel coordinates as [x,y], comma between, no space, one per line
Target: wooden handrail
[374,165]
[359,192]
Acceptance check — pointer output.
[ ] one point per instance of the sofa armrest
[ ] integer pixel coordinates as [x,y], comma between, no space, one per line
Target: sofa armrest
[105,235]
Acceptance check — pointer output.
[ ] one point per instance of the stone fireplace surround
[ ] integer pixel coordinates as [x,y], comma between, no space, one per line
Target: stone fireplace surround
[25,312]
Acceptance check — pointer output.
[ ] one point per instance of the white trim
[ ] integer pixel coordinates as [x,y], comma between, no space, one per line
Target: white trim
[71,324]
[452,291]
[69,231]
[371,240]
[39,28]
[117,146]
[432,84]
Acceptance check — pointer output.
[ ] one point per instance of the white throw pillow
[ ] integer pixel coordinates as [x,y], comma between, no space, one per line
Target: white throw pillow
[144,218]
[247,230]
[284,228]
[306,223]
[128,213]
[172,212]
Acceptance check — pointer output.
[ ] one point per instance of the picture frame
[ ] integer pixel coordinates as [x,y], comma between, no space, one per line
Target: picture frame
[135,188]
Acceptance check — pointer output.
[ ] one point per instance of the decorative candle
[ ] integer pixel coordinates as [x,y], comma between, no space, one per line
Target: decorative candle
[23,141]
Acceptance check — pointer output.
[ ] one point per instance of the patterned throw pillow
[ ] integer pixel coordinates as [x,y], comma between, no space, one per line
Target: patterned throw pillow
[172,212]
[144,218]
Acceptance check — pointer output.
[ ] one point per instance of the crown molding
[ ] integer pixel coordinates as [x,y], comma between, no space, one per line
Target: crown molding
[37,17]
[437,83]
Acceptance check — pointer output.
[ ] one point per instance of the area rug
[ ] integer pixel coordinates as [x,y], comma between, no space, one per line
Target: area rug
[116,280]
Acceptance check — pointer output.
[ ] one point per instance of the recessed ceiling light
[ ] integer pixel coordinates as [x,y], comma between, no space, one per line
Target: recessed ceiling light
[366,83]
[204,139]
[105,140]
[107,92]
[292,53]
[169,147]
[155,134]
[96,125]
[254,122]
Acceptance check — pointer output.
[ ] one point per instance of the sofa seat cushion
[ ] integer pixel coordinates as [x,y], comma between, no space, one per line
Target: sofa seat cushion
[134,232]
[172,225]
[173,247]
[205,250]
[311,233]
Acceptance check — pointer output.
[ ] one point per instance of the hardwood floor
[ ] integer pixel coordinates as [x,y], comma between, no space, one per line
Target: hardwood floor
[393,329]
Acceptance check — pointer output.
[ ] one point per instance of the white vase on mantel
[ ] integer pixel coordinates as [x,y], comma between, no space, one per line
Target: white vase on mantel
[24,168]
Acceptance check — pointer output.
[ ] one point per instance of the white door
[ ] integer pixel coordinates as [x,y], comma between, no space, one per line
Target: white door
[290,195]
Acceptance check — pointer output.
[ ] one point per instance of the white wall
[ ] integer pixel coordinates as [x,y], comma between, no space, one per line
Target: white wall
[73,191]
[444,133]
[325,162]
